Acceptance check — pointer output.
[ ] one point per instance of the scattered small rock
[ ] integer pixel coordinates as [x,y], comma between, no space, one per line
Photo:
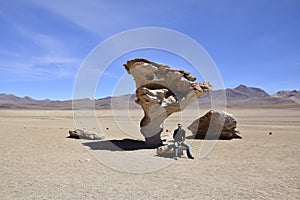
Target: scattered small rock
[168,150]
[270,133]
[84,134]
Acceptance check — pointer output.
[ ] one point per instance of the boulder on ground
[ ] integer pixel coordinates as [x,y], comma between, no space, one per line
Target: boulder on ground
[84,134]
[215,125]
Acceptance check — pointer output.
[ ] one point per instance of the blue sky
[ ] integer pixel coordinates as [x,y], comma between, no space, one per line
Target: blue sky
[43,43]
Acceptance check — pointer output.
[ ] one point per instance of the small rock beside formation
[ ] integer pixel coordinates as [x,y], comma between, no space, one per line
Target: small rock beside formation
[84,134]
[215,125]
[168,150]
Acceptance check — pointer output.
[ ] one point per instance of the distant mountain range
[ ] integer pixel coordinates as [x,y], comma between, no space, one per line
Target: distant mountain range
[241,96]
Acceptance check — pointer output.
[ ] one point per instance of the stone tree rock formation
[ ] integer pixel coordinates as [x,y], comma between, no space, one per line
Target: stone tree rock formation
[209,126]
[161,91]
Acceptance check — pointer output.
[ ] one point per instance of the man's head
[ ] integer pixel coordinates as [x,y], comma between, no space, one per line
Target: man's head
[179,126]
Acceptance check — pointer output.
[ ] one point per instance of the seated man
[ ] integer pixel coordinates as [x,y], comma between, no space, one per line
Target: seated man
[179,139]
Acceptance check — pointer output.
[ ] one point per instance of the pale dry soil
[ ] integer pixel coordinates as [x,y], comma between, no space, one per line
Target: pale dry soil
[38,161]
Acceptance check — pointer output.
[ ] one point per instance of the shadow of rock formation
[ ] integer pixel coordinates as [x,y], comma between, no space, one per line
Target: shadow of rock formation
[119,145]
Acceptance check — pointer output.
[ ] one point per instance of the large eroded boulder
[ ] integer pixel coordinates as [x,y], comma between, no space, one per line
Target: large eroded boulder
[161,91]
[215,124]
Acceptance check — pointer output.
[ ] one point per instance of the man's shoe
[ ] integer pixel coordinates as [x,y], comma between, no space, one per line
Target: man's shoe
[191,157]
[175,158]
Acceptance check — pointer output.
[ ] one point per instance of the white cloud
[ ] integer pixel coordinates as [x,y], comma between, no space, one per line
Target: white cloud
[106,18]
[94,16]
[39,56]
[14,71]
[52,59]
[46,42]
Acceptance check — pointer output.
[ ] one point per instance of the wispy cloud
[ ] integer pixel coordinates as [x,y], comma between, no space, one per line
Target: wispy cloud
[39,55]
[47,61]
[94,16]
[37,70]
[46,42]
[106,18]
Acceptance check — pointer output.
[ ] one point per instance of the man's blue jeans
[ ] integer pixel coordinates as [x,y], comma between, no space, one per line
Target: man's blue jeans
[176,146]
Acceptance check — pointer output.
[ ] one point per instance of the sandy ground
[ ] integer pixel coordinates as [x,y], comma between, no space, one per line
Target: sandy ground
[39,162]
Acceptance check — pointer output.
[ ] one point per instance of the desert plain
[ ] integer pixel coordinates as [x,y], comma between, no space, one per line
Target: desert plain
[38,161]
